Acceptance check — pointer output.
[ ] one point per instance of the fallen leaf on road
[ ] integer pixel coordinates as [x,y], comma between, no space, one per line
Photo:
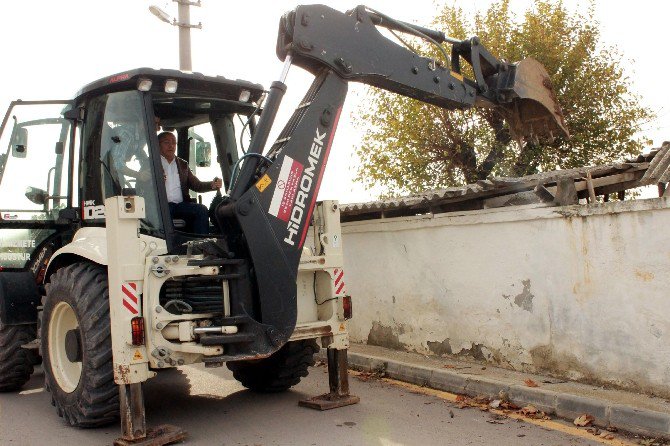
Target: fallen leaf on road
[533,412]
[481,399]
[506,405]
[367,376]
[530,383]
[494,422]
[583,420]
[529,410]
[607,436]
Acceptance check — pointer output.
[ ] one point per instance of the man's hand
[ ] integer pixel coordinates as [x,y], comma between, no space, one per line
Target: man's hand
[217,183]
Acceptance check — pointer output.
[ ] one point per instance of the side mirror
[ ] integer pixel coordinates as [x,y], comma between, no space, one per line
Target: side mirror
[203,154]
[37,196]
[20,143]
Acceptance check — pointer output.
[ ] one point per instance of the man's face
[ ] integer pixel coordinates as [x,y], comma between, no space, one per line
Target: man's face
[168,146]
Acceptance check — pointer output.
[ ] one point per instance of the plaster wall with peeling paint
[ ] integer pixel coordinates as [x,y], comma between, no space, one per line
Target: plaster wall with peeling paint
[580,292]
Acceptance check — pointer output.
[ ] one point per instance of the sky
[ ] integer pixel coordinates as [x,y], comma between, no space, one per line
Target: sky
[53,48]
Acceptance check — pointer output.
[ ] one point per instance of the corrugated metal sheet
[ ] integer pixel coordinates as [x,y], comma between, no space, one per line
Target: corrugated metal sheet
[659,167]
[472,196]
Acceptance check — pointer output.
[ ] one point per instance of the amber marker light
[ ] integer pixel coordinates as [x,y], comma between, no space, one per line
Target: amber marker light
[137,328]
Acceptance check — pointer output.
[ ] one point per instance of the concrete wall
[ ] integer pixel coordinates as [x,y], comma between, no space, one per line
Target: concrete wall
[578,291]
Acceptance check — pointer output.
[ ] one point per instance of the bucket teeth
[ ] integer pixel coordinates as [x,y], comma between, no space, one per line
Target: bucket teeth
[534,111]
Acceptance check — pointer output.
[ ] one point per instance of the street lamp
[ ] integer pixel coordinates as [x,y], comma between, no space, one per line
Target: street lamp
[184,23]
[158,12]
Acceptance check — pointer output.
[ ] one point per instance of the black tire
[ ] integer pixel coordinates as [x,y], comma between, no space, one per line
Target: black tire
[95,400]
[16,363]
[279,372]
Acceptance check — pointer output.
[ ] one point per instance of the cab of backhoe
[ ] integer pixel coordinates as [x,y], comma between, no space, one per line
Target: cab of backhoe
[61,159]
[211,117]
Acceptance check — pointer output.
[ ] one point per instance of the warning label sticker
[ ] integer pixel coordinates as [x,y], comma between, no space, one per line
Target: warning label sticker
[263,183]
[286,189]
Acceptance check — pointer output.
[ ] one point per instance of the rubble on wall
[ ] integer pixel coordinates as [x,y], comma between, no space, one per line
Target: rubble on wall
[554,188]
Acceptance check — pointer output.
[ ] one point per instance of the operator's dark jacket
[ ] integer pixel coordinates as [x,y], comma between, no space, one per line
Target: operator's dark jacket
[188,180]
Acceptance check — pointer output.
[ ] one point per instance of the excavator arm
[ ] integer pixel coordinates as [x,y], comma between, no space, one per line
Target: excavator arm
[352,45]
[269,208]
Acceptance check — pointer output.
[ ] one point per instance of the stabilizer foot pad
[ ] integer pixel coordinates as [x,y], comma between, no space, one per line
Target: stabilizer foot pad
[329,401]
[157,436]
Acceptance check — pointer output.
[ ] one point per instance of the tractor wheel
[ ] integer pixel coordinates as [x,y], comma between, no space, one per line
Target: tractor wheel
[16,363]
[279,372]
[77,346]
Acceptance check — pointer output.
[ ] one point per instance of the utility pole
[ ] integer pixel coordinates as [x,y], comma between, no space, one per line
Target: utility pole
[184,24]
[183,21]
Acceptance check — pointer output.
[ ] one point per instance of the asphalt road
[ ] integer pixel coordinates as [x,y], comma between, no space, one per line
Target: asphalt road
[215,410]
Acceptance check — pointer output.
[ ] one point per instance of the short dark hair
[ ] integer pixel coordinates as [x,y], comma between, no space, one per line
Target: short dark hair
[164,134]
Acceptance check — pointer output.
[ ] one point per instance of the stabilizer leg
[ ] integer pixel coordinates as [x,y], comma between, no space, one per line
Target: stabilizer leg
[338,380]
[133,422]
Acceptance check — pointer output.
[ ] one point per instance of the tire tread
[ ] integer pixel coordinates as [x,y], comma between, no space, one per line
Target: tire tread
[16,363]
[98,400]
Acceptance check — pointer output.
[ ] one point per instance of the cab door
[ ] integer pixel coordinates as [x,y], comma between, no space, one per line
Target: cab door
[36,194]
[36,180]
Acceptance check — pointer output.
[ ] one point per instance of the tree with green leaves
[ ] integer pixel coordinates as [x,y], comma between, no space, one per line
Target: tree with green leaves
[409,146]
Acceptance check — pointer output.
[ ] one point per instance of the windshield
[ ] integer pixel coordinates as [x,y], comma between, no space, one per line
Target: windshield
[34,162]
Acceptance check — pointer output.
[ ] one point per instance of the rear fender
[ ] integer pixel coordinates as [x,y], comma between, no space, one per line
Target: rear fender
[88,243]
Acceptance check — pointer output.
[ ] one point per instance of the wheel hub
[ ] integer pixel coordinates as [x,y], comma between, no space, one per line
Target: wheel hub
[73,345]
[65,347]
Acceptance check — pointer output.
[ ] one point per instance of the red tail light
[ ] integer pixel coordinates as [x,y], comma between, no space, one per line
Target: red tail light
[348,309]
[137,328]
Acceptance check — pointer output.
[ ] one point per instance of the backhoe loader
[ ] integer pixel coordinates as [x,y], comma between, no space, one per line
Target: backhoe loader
[100,283]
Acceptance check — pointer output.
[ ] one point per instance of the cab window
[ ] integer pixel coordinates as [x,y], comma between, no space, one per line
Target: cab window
[34,164]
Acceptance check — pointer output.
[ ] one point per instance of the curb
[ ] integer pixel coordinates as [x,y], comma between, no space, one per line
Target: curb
[563,405]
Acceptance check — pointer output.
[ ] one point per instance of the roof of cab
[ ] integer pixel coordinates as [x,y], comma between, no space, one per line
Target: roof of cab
[188,83]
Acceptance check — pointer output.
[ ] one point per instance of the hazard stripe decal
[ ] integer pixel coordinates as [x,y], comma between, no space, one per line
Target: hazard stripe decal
[128,294]
[129,307]
[338,277]
[131,299]
[339,281]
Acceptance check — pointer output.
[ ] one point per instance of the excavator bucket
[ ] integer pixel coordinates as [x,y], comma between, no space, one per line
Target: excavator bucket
[534,112]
